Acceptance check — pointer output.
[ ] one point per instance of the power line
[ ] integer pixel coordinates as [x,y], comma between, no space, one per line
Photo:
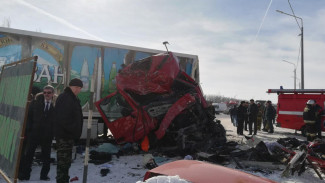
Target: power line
[294,14]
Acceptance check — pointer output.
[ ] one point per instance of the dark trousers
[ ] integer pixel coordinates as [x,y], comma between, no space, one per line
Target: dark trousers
[28,156]
[64,157]
[246,123]
[253,120]
[240,126]
[319,128]
[311,131]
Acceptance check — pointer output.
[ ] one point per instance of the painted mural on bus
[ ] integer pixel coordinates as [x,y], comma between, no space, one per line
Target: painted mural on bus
[60,60]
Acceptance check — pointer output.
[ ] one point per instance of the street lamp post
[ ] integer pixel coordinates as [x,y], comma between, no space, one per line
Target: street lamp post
[294,72]
[302,46]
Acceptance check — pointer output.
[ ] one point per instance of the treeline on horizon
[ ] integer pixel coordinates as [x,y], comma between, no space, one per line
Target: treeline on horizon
[219,99]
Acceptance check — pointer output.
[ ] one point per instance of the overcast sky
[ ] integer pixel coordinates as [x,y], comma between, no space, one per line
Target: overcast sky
[240,43]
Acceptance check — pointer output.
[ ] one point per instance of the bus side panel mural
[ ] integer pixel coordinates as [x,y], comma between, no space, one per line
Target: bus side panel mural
[54,66]
[82,63]
[49,64]
[10,49]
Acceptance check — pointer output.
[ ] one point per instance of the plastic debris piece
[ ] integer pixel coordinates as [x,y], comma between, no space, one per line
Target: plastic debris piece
[74,179]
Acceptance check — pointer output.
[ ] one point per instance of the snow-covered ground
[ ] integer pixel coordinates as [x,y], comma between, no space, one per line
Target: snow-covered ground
[128,169]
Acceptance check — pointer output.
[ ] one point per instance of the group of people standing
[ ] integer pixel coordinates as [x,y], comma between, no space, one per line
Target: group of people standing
[50,116]
[253,115]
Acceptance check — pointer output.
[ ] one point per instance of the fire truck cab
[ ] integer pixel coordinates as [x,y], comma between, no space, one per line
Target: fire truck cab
[291,104]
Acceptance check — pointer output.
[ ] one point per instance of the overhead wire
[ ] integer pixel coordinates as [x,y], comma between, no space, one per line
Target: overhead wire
[294,14]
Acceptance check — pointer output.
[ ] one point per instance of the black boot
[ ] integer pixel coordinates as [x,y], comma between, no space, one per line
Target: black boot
[46,178]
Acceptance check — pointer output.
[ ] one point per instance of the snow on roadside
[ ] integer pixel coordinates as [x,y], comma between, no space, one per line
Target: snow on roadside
[128,169]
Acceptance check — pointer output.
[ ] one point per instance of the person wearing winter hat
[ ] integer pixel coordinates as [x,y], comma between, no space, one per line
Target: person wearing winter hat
[68,127]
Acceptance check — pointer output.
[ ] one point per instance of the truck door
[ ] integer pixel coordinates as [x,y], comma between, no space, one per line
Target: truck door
[119,116]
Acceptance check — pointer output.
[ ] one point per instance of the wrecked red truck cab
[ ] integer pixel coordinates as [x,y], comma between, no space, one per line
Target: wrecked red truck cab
[155,97]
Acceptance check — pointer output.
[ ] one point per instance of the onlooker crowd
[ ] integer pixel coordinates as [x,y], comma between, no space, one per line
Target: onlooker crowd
[253,115]
[256,115]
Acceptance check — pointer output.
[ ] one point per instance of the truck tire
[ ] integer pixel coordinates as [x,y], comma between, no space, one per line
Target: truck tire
[303,131]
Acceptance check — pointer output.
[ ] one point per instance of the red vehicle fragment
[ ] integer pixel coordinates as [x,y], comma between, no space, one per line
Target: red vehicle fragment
[202,172]
[313,153]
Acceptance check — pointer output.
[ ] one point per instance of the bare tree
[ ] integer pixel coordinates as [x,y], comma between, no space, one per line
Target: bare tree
[6,22]
[38,30]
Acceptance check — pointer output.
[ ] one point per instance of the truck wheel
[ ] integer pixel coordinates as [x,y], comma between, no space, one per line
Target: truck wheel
[303,131]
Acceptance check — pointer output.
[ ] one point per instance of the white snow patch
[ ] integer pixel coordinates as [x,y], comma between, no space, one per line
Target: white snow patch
[165,179]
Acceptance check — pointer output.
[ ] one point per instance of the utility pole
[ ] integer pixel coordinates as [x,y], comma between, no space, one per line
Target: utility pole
[294,72]
[302,47]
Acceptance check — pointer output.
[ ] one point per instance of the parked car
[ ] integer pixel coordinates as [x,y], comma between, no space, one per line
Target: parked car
[203,172]
[219,107]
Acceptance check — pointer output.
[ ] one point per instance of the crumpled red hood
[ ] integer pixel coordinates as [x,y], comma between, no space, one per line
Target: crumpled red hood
[154,74]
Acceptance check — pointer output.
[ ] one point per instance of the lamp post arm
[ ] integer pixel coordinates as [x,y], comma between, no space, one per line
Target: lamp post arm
[292,16]
[294,65]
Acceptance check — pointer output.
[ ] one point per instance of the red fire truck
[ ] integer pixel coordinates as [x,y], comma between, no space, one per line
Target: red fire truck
[291,104]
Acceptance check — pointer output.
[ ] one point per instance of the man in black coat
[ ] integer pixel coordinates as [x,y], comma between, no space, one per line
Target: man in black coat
[252,116]
[241,113]
[246,122]
[68,127]
[39,131]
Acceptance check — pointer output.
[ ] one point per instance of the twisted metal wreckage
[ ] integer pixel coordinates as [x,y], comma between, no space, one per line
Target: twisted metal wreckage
[159,106]
[286,154]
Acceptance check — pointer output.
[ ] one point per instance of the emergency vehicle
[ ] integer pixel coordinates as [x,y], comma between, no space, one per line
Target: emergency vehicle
[291,104]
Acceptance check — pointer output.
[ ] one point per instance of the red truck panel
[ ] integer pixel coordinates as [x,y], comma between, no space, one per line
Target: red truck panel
[290,109]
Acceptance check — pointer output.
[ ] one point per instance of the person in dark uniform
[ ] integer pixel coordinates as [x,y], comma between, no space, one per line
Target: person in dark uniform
[318,114]
[39,131]
[269,116]
[309,116]
[68,127]
[252,116]
[241,113]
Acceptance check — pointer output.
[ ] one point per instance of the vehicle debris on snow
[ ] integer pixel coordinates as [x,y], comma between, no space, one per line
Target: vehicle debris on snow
[287,154]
